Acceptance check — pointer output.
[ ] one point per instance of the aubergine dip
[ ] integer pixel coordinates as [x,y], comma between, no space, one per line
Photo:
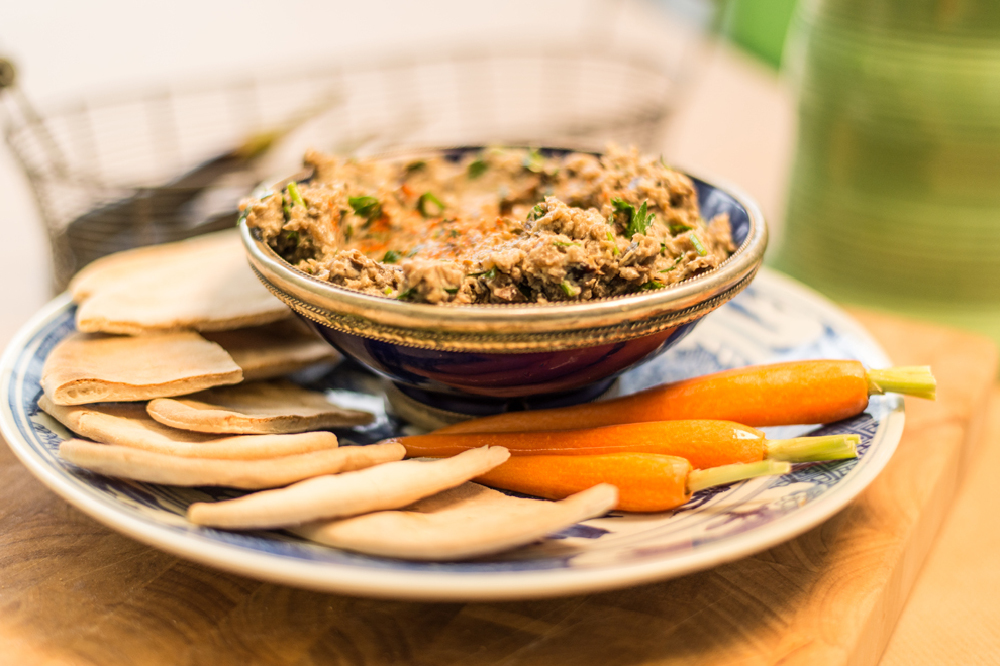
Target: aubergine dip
[504,225]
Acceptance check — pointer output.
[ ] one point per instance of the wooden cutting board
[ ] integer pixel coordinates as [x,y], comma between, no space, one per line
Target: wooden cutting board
[74,592]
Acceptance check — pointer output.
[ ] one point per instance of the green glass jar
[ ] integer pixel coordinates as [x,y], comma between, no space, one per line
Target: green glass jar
[894,198]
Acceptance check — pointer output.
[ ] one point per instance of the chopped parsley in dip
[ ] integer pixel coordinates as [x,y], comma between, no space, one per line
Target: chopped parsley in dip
[502,225]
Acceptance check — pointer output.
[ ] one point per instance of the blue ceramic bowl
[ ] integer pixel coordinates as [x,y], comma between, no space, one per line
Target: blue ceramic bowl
[483,359]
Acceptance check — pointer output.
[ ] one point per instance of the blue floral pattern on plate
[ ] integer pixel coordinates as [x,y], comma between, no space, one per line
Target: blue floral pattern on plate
[772,320]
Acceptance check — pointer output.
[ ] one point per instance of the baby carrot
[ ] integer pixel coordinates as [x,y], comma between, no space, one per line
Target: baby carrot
[704,443]
[646,482]
[793,393]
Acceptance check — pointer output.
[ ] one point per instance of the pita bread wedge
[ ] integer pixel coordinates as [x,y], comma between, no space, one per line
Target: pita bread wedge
[114,269]
[83,368]
[128,424]
[207,289]
[254,408]
[468,521]
[389,486]
[129,463]
[275,349]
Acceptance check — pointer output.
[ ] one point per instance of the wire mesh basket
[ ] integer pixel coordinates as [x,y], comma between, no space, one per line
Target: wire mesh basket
[159,166]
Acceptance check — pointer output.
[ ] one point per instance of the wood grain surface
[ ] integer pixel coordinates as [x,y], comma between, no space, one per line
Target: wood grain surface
[74,592]
[953,614]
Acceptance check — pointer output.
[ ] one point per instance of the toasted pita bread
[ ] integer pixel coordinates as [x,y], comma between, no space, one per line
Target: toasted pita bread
[209,287]
[275,349]
[114,269]
[83,368]
[468,521]
[140,465]
[128,424]
[389,486]
[254,408]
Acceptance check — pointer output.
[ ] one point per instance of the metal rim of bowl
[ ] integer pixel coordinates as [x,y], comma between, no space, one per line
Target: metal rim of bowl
[513,328]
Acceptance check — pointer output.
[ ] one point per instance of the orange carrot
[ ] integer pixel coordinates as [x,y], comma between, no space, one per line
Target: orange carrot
[797,392]
[646,482]
[703,443]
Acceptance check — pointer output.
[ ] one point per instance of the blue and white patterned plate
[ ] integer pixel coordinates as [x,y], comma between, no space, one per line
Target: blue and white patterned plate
[773,320]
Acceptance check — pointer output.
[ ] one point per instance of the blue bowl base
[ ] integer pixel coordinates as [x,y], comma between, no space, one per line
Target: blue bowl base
[473,405]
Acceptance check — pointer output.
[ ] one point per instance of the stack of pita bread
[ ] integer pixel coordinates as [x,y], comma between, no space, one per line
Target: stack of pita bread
[175,376]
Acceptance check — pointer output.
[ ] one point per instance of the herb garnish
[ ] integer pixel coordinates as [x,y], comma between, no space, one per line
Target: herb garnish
[477,168]
[614,248]
[294,196]
[416,166]
[622,206]
[366,207]
[564,244]
[533,161]
[406,294]
[673,265]
[638,220]
[536,212]
[649,286]
[451,290]
[487,275]
[391,257]
[423,201]
[569,289]
[244,214]
[698,245]
[641,221]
